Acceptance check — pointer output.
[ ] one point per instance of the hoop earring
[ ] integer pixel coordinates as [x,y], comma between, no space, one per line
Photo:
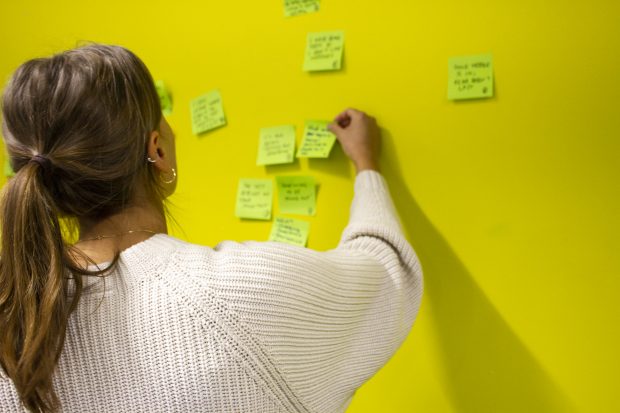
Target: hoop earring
[148,158]
[174,176]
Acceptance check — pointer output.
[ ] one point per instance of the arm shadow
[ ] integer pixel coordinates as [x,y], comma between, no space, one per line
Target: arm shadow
[487,368]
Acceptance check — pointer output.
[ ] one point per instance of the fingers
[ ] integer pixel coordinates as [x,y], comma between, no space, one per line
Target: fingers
[348,117]
[345,118]
[335,128]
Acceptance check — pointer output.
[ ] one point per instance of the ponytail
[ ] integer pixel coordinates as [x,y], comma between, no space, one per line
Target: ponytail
[89,112]
[34,304]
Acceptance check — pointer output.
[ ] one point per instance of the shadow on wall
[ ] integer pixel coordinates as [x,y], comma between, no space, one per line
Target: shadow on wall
[486,367]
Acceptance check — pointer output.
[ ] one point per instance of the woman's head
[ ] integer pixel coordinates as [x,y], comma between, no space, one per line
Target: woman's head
[91,111]
[79,129]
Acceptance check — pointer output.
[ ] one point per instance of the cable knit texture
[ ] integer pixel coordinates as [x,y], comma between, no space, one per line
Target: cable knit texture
[242,327]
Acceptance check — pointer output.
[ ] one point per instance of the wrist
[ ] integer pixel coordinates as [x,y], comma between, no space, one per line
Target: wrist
[367,164]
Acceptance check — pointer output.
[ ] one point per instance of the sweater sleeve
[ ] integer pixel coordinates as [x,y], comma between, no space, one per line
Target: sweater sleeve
[330,320]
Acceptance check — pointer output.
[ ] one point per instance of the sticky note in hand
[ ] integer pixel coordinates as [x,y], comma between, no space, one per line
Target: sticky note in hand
[290,231]
[297,7]
[324,51]
[254,199]
[470,77]
[207,112]
[317,141]
[296,195]
[164,97]
[276,145]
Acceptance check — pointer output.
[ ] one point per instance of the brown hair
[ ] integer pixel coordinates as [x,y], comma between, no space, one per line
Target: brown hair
[88,111]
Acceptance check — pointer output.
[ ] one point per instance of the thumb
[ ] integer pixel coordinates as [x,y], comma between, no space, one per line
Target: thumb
[335,128]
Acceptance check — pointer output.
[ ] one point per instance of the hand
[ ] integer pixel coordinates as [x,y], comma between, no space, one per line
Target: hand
[360,138]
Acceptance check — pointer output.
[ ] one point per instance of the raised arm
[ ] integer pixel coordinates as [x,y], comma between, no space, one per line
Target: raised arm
[330,320]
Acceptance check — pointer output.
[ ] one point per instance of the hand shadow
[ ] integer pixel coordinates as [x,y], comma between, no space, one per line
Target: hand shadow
[487,367]
[337,164]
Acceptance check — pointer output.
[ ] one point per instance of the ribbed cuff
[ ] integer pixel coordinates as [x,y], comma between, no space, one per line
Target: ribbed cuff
[372,202]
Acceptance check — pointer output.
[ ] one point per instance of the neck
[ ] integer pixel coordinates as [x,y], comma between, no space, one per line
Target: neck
[140,216]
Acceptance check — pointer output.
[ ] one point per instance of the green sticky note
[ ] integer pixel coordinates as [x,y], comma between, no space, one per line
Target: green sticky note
[470,77]
[276,145]
[324,51]
[254,199]
[290,231]
[8,170]
[297,7]
[164,97]
[317,141]
[207,112]
[296,195]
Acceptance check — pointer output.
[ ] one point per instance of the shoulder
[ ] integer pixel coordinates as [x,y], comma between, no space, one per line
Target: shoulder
[179,254]
[233,256]
[259,269]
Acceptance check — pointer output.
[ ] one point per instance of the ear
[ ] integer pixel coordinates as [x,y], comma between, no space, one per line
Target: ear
[156,152]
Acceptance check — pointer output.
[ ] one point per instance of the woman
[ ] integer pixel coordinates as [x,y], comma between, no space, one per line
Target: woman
[131,319]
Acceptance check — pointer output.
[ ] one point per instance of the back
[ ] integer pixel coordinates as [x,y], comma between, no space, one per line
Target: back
[145,339]
[242,327]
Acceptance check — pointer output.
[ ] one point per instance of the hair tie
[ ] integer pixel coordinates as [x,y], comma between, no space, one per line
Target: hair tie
[45,163]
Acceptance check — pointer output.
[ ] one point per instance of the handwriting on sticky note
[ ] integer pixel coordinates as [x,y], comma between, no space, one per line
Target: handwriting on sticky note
[317,141]
[290,231]
[207,112]
[324,51]
[254,199]
[296,195]
[470,77]
[164,97]
[297,7]
[276,145]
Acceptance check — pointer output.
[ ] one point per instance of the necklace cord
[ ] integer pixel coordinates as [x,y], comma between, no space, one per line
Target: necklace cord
[100,237]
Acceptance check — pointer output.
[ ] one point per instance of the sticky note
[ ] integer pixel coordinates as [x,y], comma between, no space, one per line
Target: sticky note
[207,112]
[297,7]
[296,195]
[317,141]
[164,97]
[290,230]
[8,170]
[470,77]
[276,145]
[324,51]
[254,199]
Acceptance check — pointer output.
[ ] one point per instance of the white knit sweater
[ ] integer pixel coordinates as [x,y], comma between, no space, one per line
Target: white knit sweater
[242,327]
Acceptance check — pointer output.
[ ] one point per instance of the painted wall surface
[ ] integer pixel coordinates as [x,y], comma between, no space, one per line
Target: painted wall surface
[512,203]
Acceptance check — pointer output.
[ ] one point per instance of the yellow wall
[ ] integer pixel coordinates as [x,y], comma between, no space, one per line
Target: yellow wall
[511,203]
